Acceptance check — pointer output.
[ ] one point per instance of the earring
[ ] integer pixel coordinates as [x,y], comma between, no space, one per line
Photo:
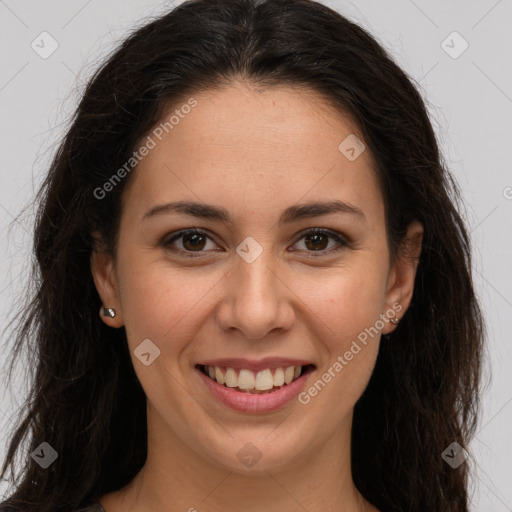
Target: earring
[394,321]
[110,312]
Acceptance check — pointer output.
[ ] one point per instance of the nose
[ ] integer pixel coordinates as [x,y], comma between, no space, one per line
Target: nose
[256,299]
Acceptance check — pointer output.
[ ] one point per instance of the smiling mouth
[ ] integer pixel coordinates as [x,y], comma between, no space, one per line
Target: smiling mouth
[261,382]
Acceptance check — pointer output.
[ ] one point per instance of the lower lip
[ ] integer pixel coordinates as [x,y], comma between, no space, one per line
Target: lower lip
[257,402]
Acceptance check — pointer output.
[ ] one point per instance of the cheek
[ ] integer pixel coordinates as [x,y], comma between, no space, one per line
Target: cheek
[348,300]
[347,307]
[349,330]
[161,303]
[166,306]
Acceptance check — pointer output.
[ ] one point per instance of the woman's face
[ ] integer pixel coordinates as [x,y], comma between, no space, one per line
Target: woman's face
[255,286]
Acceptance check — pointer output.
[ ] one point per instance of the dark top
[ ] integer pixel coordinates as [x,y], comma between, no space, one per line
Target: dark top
[93,507]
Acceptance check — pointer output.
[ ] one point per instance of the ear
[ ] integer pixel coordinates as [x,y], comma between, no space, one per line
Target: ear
[403,273]
[105,280]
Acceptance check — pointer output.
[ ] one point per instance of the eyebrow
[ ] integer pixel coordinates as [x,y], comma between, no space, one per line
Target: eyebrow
[293,213]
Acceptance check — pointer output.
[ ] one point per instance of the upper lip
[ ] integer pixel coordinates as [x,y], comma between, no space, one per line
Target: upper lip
[256,365]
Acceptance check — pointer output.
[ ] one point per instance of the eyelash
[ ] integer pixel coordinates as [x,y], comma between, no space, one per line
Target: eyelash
[314,231]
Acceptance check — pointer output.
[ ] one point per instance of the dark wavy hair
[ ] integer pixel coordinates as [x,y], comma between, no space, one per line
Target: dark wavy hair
[85,399]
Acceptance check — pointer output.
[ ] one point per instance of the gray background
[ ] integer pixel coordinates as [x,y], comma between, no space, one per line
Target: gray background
[469,97]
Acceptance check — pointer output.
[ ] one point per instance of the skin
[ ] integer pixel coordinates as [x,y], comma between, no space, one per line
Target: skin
[253,153]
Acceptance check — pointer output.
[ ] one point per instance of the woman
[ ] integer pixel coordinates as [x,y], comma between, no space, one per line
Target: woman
[252,196]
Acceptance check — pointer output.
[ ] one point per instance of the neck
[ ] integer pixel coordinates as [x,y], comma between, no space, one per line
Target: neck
[175,477]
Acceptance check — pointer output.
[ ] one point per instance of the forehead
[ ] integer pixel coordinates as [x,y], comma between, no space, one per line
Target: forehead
[241,144]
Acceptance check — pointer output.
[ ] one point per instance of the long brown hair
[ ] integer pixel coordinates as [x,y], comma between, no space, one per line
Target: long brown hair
[85,400]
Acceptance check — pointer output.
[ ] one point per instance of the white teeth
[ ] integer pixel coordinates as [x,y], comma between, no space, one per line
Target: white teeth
[231,378]
[246,379]
[263,380]
[279,377]
[288,374]
[219,376]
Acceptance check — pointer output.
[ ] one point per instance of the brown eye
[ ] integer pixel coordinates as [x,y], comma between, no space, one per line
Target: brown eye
[317,241]
[192,241]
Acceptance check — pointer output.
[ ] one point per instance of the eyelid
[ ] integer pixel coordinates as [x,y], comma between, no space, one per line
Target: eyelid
[181,233]
[340,239]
